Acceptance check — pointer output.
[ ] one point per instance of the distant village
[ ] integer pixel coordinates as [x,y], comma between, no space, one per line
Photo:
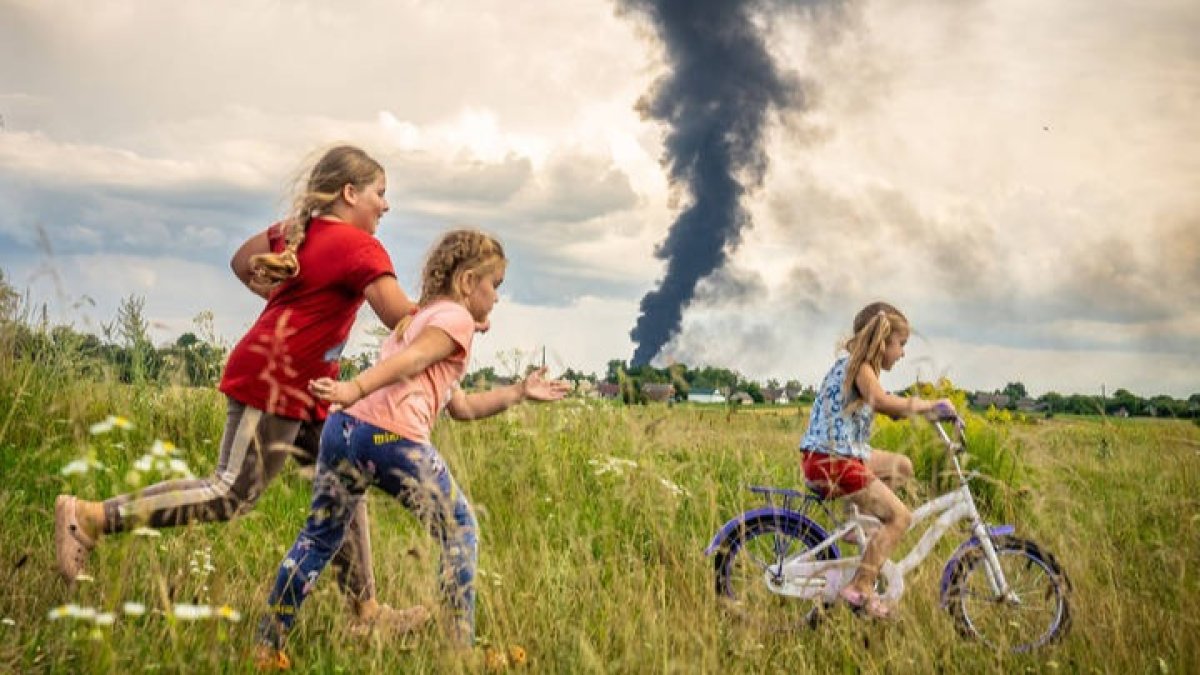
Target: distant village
[722,387]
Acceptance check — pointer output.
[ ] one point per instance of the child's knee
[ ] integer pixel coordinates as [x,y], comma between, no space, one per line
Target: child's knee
[902,518]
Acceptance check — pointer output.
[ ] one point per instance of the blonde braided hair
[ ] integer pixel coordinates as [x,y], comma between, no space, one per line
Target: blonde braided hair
[872,327]
[455,254]
[340,166]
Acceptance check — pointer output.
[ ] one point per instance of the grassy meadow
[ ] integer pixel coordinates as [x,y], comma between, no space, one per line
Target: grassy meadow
[593,522]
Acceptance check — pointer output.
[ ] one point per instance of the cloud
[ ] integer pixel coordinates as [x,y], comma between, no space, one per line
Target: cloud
[1032,209]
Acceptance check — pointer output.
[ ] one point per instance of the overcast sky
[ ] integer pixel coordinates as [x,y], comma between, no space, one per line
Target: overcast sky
[1020,177]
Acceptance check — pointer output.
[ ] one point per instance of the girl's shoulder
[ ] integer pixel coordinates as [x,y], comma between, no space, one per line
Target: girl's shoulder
[443,307]
[445,314]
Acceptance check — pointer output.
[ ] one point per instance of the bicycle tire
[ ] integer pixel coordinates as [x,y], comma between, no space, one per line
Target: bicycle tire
[741,566]
[1042,614]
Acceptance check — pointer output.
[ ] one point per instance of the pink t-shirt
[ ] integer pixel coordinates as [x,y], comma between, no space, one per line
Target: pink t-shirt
[409,408]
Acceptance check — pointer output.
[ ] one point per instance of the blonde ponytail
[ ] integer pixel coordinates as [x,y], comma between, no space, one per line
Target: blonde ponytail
[873,325]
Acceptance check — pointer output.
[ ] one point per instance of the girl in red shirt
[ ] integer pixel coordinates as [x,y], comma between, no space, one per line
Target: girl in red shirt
[314,268]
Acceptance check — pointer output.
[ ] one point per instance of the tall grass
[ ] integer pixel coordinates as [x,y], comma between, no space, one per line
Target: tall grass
[593,521]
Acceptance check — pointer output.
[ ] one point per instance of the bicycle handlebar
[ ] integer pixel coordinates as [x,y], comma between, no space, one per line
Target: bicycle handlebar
[958,443]
[943,412]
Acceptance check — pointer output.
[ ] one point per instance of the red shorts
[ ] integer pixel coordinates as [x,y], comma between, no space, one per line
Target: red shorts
[833,476]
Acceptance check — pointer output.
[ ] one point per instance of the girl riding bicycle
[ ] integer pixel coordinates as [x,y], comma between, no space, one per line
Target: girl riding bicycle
[836,459]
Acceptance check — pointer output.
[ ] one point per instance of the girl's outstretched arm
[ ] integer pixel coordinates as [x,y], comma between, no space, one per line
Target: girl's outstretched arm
[240,263]
[535,387]
[889,404]
[431,345]
[389,301]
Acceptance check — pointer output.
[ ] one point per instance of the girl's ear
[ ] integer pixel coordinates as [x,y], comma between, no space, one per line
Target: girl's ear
[465,282]
[349,194]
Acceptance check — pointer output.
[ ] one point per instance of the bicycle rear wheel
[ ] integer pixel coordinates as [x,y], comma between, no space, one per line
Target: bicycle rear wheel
[1033,614]
[748,572]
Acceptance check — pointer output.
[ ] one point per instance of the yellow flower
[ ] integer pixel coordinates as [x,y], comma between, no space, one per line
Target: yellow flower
[494,659]
[516,655]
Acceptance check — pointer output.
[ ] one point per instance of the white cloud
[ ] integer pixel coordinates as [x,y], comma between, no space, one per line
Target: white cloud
[1033,209]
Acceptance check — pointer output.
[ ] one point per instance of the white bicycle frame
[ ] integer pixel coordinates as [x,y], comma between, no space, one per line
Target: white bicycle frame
[806,576]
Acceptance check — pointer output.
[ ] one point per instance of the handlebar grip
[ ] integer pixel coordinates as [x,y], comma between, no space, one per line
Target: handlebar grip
[943,412]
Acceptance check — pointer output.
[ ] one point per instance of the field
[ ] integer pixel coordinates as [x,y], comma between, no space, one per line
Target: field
[587,564]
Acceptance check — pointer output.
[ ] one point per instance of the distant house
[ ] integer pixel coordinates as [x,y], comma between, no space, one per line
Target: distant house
[659,392]
[741,398]
[779,396]
[983,400]
[608,390]
[1030,405]
[705,396]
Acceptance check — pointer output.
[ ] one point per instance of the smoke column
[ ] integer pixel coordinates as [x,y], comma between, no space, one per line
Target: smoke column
[715,100]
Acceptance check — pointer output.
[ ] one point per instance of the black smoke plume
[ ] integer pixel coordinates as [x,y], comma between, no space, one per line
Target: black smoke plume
[721,86]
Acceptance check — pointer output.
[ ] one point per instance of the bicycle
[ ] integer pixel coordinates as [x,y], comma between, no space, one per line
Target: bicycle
[784,554]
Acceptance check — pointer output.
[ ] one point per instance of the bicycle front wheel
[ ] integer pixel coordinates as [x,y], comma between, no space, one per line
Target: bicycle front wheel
[1033,613]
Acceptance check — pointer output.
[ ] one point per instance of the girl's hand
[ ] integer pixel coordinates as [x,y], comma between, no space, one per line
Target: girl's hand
[537,388]
[336,392]
[942,409]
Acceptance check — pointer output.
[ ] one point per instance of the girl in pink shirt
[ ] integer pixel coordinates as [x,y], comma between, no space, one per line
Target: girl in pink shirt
[381,436]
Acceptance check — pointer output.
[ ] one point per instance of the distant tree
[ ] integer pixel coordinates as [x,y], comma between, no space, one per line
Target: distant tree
[1054,401]
[577,375]
[615,371]
[1015,392]
[1123,398]
[137,360]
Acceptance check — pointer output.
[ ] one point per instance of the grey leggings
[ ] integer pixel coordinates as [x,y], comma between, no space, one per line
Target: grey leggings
[253,450]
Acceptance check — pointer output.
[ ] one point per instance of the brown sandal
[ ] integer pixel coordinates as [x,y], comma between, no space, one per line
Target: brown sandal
[870,605]
[71,543]
[392,622]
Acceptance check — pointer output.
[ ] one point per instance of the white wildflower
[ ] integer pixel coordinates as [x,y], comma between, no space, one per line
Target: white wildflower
[229,614]
[133,609]
[180,467]
[615,465]
[82,465]
[8,622]
[105,619]
[146,532]
[188,612]
[73,611]
[675,489]
[85,578]
[109,423]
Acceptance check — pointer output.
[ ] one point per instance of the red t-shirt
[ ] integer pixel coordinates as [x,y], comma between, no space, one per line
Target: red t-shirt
[301,333]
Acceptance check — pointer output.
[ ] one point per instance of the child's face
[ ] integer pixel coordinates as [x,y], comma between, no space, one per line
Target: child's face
[893,350]
[368,205]
[482,293]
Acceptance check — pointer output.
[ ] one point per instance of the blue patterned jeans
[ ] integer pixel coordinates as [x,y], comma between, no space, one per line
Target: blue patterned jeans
[354,456]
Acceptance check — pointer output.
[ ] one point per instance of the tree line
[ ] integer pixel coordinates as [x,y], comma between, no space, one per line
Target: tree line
[123,350]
